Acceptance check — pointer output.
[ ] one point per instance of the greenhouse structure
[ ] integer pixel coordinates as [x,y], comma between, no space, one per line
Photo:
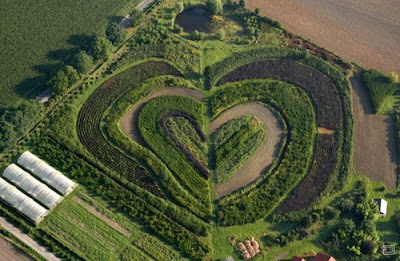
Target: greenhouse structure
[36,189]
[46,173]
[21,202]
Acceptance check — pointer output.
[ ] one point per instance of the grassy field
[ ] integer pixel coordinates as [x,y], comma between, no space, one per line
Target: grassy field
[36,36]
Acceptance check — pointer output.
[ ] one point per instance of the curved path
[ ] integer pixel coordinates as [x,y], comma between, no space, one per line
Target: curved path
[254,166]
[263,156]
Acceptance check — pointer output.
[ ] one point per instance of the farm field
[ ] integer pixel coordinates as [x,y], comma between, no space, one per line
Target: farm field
[366,32]
[37,37]
[375,145]
[10,252]
[228,136]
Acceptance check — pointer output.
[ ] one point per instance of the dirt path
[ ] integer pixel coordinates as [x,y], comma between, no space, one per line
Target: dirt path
[364,31]
[263,156]
[129,120]
[145,3]
[374,152]
[10,252]
[28,241]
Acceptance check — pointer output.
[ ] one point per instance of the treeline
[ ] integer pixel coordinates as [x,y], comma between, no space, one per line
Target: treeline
[380,88]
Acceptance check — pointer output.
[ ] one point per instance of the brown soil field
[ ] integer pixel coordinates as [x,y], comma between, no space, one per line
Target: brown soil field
[375,151]
[10,252]
[363,31]
[263,156]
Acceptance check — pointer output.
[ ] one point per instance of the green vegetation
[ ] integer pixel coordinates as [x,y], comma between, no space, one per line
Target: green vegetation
[148,124]
[381,90]
[115,33]
[215,7]
[184,131]
[38,37]
[235,142]
[87,235]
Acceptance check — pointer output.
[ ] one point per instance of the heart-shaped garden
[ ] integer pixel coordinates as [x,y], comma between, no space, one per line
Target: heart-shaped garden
[231,152]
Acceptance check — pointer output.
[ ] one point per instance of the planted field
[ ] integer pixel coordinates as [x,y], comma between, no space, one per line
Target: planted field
[37,36]
[90,237]
[90,116]
[235,142]
[10,252]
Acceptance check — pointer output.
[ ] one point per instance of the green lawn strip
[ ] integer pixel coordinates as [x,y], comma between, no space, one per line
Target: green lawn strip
[187,135]
[84,232]
[174,158]
[265,194]
[235,142]
[133,253]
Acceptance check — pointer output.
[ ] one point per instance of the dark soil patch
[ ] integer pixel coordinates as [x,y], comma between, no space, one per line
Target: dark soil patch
[195,18]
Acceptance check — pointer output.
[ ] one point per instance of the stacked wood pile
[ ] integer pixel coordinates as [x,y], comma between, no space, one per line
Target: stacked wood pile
[249,248]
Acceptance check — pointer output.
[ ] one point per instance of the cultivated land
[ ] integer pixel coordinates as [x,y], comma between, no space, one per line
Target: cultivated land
[263,156]
[364,31]
[375,145]
[10,252]
[37,37]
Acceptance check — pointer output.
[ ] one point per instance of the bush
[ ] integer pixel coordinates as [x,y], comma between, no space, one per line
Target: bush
[72,75]
[179,7]
[257,11]
[243,4]
[137,17]
[177,29]
[221,34]
[394,77]
[83,62]
[59,83]
[331,213]
[215,7]
[307,221]
[197,36]
[115,33]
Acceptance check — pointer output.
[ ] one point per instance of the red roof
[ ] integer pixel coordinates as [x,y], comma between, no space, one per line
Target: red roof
[296,258]
[323,257]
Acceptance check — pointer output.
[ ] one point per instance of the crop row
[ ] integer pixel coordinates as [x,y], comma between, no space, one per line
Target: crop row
[314,184]
[149,126]
[203,170]
[90,116]
[256,200]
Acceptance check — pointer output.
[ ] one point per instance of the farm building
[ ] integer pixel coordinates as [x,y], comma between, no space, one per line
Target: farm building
[382,207]
[323,257]
[46,173]
[296,258]
[36,189]
[21,202]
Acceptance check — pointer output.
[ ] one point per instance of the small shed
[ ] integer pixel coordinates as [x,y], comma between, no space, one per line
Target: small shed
[382,207]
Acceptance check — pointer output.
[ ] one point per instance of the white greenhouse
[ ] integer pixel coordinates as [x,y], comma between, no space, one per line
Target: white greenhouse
[46,173]
[21,202]
[36,189]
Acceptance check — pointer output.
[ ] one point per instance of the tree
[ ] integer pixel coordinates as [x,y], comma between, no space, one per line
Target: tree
[221,34]
[101,48]
[115,33]
[83,62]
[215,7]
[331,213]
[72,74]
[137,17]
[243,4]
[59,83]
[257,11]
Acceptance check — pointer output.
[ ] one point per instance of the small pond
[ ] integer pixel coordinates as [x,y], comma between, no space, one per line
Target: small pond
[195,18]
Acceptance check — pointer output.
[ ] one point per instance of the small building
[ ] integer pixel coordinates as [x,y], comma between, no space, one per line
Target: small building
[382,207]
[296,258]
[323,257]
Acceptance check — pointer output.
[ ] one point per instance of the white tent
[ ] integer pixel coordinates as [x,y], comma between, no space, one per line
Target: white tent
[46,173]
[36,189]
[21,202]
[382,207]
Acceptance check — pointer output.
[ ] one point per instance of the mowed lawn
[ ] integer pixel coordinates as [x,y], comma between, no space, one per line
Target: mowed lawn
[36,35]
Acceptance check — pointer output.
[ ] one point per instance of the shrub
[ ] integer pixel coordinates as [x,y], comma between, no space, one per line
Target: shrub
[72,75]
[83,62]
[197,36]
[307,221]
[243,4]
[179,7]
[221,34]
[177,29]
[59,83]
[394,77]
[331,213]
[214,7]
[115,33]
[137,17]
[257,11]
